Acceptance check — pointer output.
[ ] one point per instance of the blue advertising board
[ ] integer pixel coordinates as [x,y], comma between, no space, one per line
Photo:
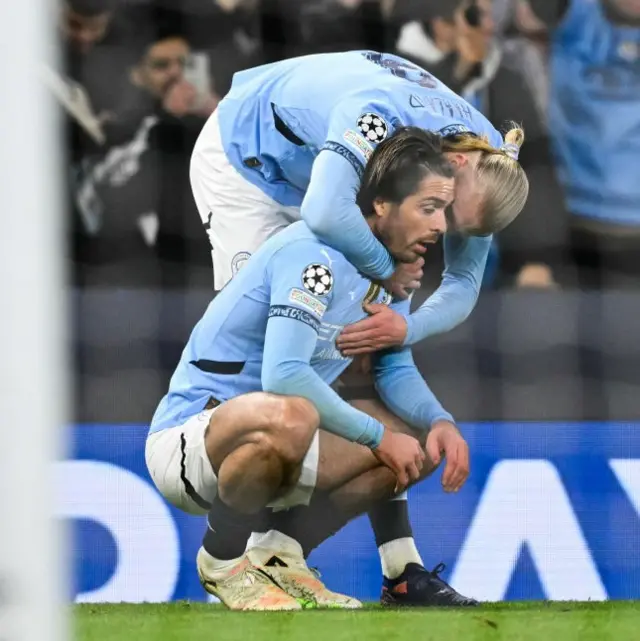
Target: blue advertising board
[551,510]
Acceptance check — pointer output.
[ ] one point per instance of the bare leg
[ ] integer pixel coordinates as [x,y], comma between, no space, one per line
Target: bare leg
[341,460]
[332,509]
[256,444]
[345,489]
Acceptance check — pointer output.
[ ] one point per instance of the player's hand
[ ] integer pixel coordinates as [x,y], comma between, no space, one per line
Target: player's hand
[206,105]
[403,455]
[406,277]
[180,98]
[384,328]
[444,440]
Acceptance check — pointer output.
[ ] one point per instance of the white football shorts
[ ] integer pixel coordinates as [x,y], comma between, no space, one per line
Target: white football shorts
[237,215]
[180,469]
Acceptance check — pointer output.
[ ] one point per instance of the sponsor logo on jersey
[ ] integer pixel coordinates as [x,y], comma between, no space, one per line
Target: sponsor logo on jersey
[307,301]
[326,349]
[359,143]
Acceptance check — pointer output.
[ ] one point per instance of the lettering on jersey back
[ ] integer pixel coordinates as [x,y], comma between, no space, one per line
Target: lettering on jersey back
[459,109]
[402,69]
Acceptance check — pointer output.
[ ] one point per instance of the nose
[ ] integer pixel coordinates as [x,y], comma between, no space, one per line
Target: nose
[84,38]
[438,222]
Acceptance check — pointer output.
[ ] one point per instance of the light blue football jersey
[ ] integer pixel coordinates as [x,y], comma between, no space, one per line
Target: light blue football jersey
[595,114]
[274,327]
[330,101]
[302,131]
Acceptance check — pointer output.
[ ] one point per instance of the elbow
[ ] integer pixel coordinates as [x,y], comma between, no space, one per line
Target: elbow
[317,221]
[471,302]
[467,289]
[466,310]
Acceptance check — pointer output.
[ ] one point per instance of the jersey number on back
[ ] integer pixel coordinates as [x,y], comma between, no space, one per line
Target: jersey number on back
[403,69]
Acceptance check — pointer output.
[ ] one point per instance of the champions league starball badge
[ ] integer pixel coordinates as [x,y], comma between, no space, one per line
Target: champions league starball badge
[317,279]
[373,127]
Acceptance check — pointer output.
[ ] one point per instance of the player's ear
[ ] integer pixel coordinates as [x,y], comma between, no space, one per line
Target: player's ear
[458,160]
[380,207]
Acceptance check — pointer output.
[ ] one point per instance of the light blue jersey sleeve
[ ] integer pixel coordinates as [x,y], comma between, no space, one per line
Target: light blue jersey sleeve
[465,259]
[329,206]
[404,391]
[295,313]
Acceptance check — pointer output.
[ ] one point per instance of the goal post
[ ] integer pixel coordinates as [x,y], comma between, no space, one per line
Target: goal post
[33,372]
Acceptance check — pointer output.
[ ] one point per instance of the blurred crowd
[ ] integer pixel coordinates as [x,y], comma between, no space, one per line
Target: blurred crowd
[138,78]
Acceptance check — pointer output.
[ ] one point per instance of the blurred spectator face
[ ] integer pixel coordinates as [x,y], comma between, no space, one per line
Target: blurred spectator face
[526,21]
[474,30]
[629,8]
[162,66]
[485,10]
[83,32]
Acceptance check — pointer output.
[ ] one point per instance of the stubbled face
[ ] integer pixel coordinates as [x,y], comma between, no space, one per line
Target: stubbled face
[487,23]
[408,228]
[162,66]
[628,8]
[83,32]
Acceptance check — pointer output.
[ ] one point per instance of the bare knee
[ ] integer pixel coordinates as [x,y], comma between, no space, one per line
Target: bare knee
[290,423]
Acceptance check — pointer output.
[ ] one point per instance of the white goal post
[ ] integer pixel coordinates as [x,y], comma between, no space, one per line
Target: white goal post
[33,376]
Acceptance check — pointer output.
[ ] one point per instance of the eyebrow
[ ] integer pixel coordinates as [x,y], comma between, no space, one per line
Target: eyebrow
[438,202]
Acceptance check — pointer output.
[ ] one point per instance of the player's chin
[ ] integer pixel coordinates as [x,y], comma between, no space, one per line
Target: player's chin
[410,256]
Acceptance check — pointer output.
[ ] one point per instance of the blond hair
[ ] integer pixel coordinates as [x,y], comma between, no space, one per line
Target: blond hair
[501,177]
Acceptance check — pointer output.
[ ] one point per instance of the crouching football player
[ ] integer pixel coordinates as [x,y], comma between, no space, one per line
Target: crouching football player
[251,426]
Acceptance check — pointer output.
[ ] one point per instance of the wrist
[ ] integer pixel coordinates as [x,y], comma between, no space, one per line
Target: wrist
[444,421]
[373,435]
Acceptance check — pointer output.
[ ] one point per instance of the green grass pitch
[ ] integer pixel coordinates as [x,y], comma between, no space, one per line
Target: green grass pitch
[525,621]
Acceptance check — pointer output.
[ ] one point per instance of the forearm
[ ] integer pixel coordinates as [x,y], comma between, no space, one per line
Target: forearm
[445,309]
[465,258]
[297,379]
[407,395]
[330,210]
